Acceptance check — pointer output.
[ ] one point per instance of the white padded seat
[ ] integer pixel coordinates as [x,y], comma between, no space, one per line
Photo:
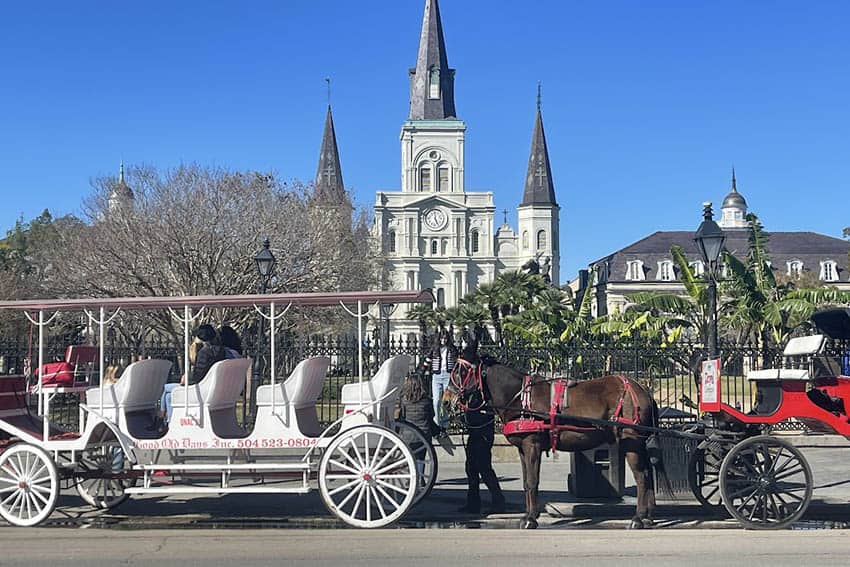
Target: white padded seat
[219,389]
[301,389]
[138,389]
[779,374]
[390,375]
[798,346]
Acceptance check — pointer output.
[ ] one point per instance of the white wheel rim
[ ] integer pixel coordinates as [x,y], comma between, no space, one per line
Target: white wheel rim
[367,477]
[29,485]
[104,492]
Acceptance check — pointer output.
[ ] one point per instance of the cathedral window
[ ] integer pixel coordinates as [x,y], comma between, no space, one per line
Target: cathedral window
[443,179]
[425,178]
[525,240]
[541,240]
[665,271]
[828,271]
[473,241]
[434,246]
[795,268]
[391,241]
[634,270]
[434,83]
[445,243]
[441,297]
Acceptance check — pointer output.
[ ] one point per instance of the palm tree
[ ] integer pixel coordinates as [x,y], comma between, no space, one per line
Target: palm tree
[424,314]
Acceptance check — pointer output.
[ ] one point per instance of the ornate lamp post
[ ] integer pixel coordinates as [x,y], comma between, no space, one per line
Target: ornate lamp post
[266,263]
[709,239]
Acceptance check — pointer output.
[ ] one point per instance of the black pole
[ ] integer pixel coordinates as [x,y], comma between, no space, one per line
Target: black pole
[257,374]
[713,349]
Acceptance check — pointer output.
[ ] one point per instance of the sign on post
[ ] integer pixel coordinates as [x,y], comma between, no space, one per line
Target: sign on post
[709,400]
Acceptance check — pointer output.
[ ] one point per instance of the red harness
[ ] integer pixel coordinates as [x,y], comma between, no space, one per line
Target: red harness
[471,379]
[530,424]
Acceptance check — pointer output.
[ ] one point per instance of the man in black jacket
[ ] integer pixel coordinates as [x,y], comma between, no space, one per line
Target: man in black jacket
[479,466]
[208,351]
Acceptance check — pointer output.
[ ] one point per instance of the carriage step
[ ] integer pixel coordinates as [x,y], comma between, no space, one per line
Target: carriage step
[240,467]
[216,490]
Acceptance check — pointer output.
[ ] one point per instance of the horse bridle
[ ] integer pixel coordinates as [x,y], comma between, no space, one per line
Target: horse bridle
[471,381]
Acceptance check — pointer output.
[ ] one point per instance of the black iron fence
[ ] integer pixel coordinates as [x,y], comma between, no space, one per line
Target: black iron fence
[669,372]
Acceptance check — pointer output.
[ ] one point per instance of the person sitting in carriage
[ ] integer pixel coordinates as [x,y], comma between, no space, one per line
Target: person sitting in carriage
[206,349]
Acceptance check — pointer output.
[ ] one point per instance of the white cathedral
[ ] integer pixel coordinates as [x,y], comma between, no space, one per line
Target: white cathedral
[435,233]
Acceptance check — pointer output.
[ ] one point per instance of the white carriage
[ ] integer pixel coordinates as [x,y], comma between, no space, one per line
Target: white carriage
[370,469]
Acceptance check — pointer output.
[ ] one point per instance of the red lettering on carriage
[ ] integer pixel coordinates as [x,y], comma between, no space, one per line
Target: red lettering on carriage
[188,421]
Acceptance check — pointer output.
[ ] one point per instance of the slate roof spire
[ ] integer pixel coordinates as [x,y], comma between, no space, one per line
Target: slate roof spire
[432,81]
[329,186]
[539,188]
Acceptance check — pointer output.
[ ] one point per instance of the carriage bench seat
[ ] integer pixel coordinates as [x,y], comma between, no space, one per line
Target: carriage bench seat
[798,346]
[779,374]
[389,376]
[138,389]
[301,389]
[219,389]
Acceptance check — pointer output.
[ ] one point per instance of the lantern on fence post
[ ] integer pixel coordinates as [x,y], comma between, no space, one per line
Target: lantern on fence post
[709,239]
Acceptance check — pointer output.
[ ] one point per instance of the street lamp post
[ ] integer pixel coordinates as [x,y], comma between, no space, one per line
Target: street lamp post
[709,239]
[266,263]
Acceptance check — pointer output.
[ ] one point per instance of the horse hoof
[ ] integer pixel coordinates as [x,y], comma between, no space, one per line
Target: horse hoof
[648,522]
[529,524]
[636,524]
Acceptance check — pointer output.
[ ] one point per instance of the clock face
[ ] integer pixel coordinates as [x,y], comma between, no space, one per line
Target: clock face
[435,219]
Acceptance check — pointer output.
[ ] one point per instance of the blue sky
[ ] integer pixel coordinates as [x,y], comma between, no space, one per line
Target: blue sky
[647,105]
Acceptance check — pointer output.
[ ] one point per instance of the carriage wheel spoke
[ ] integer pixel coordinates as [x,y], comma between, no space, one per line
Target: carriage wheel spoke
[386,495]
[791,472]
[390,452]
[359,499]
[377,452]
[16,471]
[391,466]
[350,496]
[345,467]
[377,499]
[391,486]
[360,462]
[37,493]
[11,496]
[342,487]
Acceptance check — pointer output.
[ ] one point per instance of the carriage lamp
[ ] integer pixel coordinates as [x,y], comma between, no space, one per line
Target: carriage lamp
[265,262]
[709,239]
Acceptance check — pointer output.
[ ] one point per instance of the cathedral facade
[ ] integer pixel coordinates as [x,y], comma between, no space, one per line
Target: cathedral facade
[436,233]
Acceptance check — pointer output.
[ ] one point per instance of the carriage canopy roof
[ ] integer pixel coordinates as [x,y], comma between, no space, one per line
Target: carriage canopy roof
[835,323]
[296,299]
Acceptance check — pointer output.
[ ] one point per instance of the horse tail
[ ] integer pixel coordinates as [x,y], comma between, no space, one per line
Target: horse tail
[655,454]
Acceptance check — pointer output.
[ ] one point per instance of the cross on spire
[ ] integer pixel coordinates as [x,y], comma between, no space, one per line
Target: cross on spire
[505,212]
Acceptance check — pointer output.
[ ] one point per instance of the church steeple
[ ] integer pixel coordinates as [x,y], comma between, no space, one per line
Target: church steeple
[432,81]
[329,186]
[121,197]
[539,188]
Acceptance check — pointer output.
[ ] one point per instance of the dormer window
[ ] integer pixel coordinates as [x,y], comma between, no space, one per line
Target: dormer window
[795,268]
[434,83]
[697,268]
[634,270]
[665,271]
[829,271]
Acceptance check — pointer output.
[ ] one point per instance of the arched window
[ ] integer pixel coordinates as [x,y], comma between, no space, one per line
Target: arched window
[434,83]
[441,297]
[434,248]
[541,240]
[473,241]
[425,177]
[443,179]
[829,271]
[525,240]
[634,270]
[665,271]
[391,241]
[795,268]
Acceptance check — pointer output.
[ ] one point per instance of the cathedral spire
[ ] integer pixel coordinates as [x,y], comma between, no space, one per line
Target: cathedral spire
[329,186]
[734,184]
[432,81]
[539,189]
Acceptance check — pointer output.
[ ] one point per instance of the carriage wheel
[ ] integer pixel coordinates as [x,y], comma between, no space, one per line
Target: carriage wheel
[423,453]
[704,474]
[29,485]
[367,477]
[103,492]
[766,483]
